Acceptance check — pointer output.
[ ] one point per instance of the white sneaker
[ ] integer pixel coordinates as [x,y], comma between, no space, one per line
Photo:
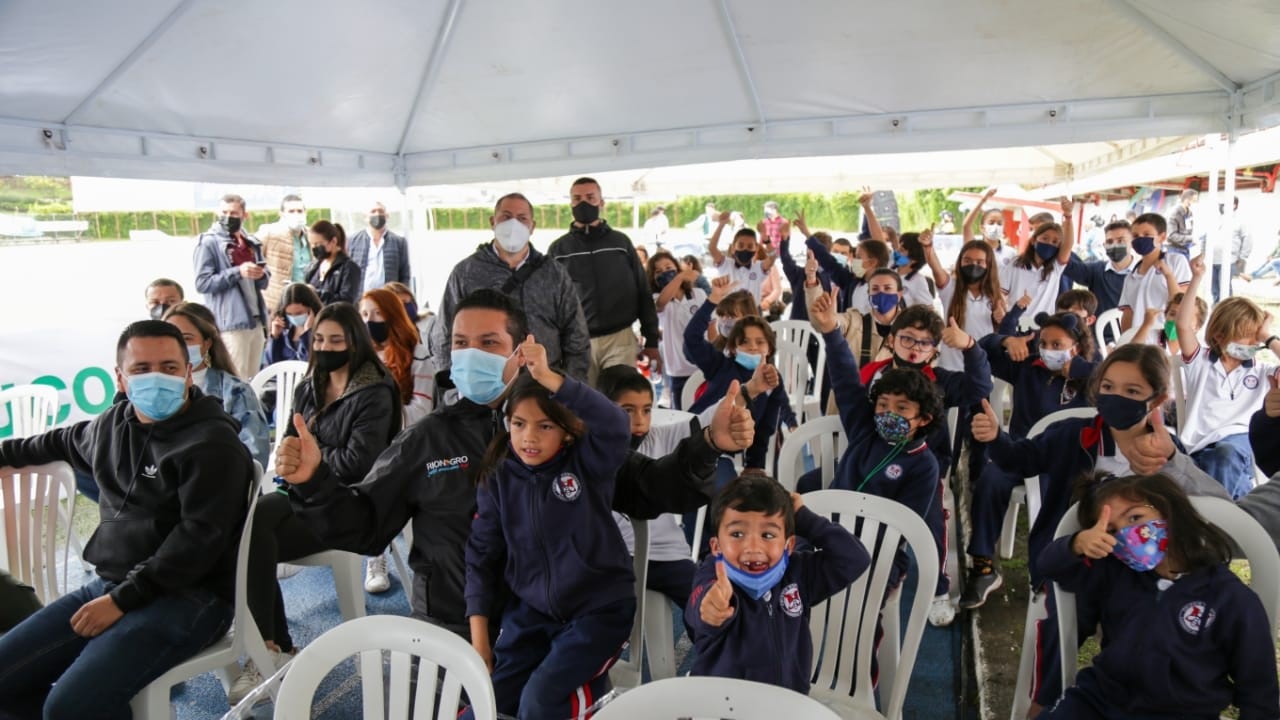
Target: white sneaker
[287,570]
[248,679]
[942,612]
[375,575]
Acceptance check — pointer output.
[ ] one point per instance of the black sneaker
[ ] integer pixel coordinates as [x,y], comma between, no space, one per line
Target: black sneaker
[982,581]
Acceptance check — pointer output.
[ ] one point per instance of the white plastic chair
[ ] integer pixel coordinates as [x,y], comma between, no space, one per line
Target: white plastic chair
[1179,388]
[222,657]
[1108,323]
[1257,546]
[689,394]
[348,578]
[796,334]
[629,672]
[32,522]
[33,410]
[1126,337]
[1001,399]
[403,639]
[1036,608]
[287,375]
[824,437]
[844,643]
[793,375]
[712,698]
[1031,486]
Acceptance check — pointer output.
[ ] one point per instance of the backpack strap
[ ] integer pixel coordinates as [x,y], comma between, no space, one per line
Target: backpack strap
[519,277]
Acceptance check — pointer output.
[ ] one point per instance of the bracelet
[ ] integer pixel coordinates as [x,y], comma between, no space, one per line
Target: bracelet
[706,435]
[1270,340]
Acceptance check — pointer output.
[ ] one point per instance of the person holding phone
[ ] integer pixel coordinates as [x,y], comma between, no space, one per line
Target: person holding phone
[230,275]
[333,274]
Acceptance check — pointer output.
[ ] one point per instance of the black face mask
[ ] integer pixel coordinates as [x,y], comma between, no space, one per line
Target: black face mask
[230,224]
[1121,412]
[899,362]
[377,331]
[1117,253]
[330,360]
[158,311]
[972,273]
[377,222]
[585,213]
[319,252]
[636,441]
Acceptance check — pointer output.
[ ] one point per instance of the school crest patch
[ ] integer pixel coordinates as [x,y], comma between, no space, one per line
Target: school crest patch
[1194,617]
[567,487]
[1251,382]
[790,600]
[751,276]
[893,472]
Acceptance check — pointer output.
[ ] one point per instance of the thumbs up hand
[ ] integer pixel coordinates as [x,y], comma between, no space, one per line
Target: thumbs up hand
[953,336]
[1149,453]
[1096,542]
[1271,403]
[985,426]
[298,458]
[717,604]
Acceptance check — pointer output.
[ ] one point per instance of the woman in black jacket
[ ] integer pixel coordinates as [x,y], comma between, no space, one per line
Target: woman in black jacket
[351,404]
[334,275]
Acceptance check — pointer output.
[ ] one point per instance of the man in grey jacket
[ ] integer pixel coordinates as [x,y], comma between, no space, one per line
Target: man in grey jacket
[544,290]
[1182,224]
[382,255]
[231,274]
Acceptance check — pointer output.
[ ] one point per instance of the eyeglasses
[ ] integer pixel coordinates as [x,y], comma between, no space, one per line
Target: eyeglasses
[911,343]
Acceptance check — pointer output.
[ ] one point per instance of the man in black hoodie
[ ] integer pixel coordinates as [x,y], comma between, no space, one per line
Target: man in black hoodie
[174,482]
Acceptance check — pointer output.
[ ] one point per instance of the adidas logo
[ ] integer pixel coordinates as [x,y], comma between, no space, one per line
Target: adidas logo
[150,471]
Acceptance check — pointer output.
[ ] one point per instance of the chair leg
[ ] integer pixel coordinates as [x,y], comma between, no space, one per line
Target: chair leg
[152,703]
[1036,612]
[402,569]
[659,637]
[348,577]
[889,653]
[1010,528]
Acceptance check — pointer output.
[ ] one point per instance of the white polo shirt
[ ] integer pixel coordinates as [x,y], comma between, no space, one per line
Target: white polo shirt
[977,322]
[915,289]
[673,319]
[1018,281]
[750,278]
[1150,290]
[861,300]
[1219,403]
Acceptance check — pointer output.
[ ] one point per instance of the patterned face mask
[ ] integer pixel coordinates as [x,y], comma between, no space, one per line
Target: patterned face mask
[1142,546]
[893,427]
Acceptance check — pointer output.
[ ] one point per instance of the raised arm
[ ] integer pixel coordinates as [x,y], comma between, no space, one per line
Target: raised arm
[940,276]
[975,214]
[1068,230]
[873,224]
[1188,343]
[713,246]
[846,380]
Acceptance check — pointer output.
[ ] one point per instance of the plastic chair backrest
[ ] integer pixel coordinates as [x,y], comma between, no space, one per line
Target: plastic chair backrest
[1126,337]
[1001,399]
[31,524]
[1179,388]
[629,672]
[712,697]
[690,392]
[824,436]
[32,409]
[793,375]
[1032,483]
[844,642]
[798,334]
[1255,543]
[1107,324]
[287,375]
[404,639]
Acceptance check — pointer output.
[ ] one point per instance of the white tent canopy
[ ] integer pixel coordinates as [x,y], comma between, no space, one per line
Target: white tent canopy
[397,92]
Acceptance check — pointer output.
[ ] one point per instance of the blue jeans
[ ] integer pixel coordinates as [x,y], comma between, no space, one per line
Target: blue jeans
[87,486]
[48,671]
[1230,462]
[1270,266]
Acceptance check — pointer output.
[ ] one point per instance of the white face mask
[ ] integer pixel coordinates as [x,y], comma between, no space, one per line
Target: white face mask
[995,233]
[1055,360]
[1241,352]
[724,326]
[855,267]
[512,235]
[295,221]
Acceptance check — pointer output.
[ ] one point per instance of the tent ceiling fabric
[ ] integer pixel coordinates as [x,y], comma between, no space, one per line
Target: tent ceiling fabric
[328,92]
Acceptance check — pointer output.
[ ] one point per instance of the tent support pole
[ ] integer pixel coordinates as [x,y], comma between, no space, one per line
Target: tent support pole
[147,42]
[1139,18]
[731,34]
[431,70]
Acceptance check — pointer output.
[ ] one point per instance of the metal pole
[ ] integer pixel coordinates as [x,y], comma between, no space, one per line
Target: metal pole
[1228,212]
[1209,224]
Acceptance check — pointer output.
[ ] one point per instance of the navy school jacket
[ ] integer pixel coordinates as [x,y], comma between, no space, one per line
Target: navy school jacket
[1187,651]
[768,640]
[768,410]
[1037,391]
[549,530]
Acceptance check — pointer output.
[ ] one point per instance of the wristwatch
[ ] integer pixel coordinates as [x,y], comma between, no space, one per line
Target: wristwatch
[1270,340]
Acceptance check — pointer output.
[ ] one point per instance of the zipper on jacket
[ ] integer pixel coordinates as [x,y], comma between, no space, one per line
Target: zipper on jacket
[546,558]
[774,643]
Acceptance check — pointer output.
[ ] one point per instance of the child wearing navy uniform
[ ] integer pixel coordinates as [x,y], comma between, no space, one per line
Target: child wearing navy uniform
[544,527]
[748,615]
[1184,637]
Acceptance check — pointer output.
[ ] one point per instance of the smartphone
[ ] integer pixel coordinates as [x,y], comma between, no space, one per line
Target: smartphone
[260,263]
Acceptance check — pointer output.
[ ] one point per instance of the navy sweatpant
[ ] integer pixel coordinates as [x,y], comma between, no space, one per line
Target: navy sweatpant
[991,494]
[544,668]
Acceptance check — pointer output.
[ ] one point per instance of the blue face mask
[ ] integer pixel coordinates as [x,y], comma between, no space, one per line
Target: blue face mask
[298,320]
[750,361]
[157,395]
[841,259]
[1045,251]
[195,355]
[900,260]
[755,584]
[1144,244]
[884,302]
[478,374]
[412,309]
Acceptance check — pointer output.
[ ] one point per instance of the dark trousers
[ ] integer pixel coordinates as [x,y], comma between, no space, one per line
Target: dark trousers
[18,601]
[676,388]
[991,495]
[1217,283]
[547,669]
[673,578]
[936,517]
[46,670]
[278,536]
